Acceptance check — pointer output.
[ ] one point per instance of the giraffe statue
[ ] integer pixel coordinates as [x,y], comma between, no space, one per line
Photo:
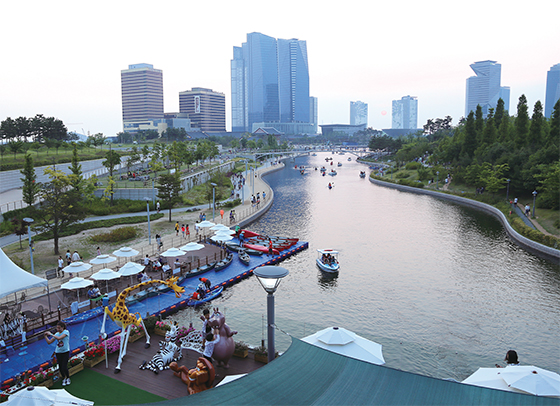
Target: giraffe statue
[121,316]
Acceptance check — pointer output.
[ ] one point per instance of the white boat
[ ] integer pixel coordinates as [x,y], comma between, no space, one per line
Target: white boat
[327,260]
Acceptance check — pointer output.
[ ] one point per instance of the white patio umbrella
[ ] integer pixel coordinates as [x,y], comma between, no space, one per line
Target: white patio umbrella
[531,379]
[131,268]
[77,267]
[345,342]
[126,252]
[192,246]
[221,237]
[173,252]
[42,396]
[219,227]
[206,224]
[102,259]
[106,275]
[76,283]
[225,232]
[489,378]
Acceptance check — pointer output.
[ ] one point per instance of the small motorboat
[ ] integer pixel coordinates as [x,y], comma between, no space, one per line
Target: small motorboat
[330,186]
[323,169]
[349,159]
[209,296]
[244,257]
[224,263]
[327,260]
[362,174]
[332,173]
[339,164]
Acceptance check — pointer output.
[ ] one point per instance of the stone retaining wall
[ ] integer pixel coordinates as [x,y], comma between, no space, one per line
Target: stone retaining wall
[534,247]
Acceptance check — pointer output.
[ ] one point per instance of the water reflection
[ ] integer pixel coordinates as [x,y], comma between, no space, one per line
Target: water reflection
[327,280]
[439,285]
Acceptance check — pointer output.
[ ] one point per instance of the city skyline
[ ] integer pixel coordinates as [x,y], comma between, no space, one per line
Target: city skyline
[65,61]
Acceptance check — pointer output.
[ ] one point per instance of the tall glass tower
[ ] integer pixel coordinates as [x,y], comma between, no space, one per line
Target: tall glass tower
[405,113]
[358,113]
[269,82]
[485,88]
[552,89]
[142,93]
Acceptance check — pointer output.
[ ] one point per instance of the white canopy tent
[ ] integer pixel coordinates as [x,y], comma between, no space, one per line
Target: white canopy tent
[15,279]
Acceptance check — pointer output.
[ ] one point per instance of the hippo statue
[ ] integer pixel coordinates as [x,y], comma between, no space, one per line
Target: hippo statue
[224,349]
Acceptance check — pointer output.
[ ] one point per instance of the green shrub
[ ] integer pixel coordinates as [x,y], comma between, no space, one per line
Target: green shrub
[231,203]
[402,175]
[535,235]
[118,235]
[411,166]
[100,207]
[150,323]
[78,228]
[413,183]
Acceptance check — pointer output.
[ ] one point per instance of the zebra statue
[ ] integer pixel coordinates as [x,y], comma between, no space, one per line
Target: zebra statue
[167,353]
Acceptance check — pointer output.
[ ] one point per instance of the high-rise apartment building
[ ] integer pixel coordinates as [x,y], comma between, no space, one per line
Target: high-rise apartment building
[485,88]
[142,94]
[552,89]
[205,108]
[405,113]
[314,112]
[269,82]
[358,113]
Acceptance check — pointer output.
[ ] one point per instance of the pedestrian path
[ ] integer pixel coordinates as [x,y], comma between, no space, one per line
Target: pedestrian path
[523,217]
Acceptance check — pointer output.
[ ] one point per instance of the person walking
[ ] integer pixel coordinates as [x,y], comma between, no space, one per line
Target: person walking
[158,207]
[62,350]
[76,257]
[59,271]
[183,231]
[187,231]
[176,229]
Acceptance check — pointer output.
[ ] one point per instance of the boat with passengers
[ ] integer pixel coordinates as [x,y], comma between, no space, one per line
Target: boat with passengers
[327,260]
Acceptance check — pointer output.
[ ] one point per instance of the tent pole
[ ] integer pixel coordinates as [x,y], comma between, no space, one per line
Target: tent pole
[49,296]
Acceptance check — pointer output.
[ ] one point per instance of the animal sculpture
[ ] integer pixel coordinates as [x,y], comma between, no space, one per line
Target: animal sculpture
[171,335]
[168,352]
[197,379]
[122,318]
[223,349]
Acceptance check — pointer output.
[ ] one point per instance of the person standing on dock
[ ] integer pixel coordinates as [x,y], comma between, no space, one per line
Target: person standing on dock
[62,351]
[269,247]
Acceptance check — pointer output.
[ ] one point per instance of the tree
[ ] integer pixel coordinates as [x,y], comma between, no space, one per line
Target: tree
[251,144]
[521,123]
[479,122]
[469,143]
[537,123]
[96,140]
[169,190]
[272,142]
[20,228]
[234,143]
[243,142]
[491,176]
[500,111]
[112,159]
[145,154]
[60,205]
[30,187]
[554,135]
[76,178]
[16,146]
[124,138]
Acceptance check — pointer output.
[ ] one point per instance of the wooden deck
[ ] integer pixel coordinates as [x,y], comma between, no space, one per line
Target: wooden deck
[165,384]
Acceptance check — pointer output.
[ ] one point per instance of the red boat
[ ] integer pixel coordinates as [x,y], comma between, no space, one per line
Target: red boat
[261,248]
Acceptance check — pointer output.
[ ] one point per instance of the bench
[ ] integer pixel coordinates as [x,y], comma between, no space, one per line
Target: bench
[50,274]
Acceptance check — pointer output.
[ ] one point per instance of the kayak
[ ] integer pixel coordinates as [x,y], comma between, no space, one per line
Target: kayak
[224,263]
[244,257]
[209,296]
[249,234]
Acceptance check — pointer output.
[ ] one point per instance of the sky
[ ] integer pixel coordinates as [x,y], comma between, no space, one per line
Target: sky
[63,58]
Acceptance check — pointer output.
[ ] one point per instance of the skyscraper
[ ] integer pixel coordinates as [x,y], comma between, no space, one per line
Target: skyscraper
[485,89]
[358,113]
[552,89]
[205,108]
[269,82]
[142,93]
[405,113]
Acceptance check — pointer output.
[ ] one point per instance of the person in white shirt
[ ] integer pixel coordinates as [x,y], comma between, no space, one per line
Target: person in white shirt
[59,271]
[211,340]
[76,257]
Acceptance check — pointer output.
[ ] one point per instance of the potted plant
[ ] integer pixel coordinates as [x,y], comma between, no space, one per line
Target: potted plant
[150,323]
[136,333]
[75,365]
[94,355]
[184,331]
[161,328]
[261,354]
[241,349]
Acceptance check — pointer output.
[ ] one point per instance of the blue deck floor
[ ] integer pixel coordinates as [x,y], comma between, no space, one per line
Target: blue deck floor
[39,352]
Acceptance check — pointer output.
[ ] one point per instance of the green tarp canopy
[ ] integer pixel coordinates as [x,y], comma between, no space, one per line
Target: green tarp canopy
[308,375]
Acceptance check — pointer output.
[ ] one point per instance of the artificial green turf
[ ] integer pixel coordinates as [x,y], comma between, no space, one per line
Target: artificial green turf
[91,385]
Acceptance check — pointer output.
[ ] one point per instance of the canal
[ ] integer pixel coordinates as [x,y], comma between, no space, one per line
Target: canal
[440,286]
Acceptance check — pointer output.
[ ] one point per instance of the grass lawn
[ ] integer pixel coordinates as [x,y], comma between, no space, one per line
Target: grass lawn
[547,218]
[91,385]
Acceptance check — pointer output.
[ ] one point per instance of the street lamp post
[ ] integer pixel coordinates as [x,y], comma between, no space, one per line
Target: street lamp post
[29,220]
[213,199]
[269,277]
[507,192]
[534,200]
[149,228]
[437,179]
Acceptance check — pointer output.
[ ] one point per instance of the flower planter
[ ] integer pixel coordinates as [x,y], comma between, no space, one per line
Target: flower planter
[241,353]
[90,363]
[136,337]
[261,358]
[160,331]
[76,368]
[47,384]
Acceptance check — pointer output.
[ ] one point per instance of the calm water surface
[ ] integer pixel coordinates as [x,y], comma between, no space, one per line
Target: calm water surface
[440,286]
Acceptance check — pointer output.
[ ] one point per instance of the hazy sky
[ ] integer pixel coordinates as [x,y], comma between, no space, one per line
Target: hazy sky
[63,58]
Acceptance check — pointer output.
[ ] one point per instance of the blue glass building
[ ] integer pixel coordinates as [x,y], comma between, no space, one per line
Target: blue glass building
[485,89]
[552,89]
[269,82]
